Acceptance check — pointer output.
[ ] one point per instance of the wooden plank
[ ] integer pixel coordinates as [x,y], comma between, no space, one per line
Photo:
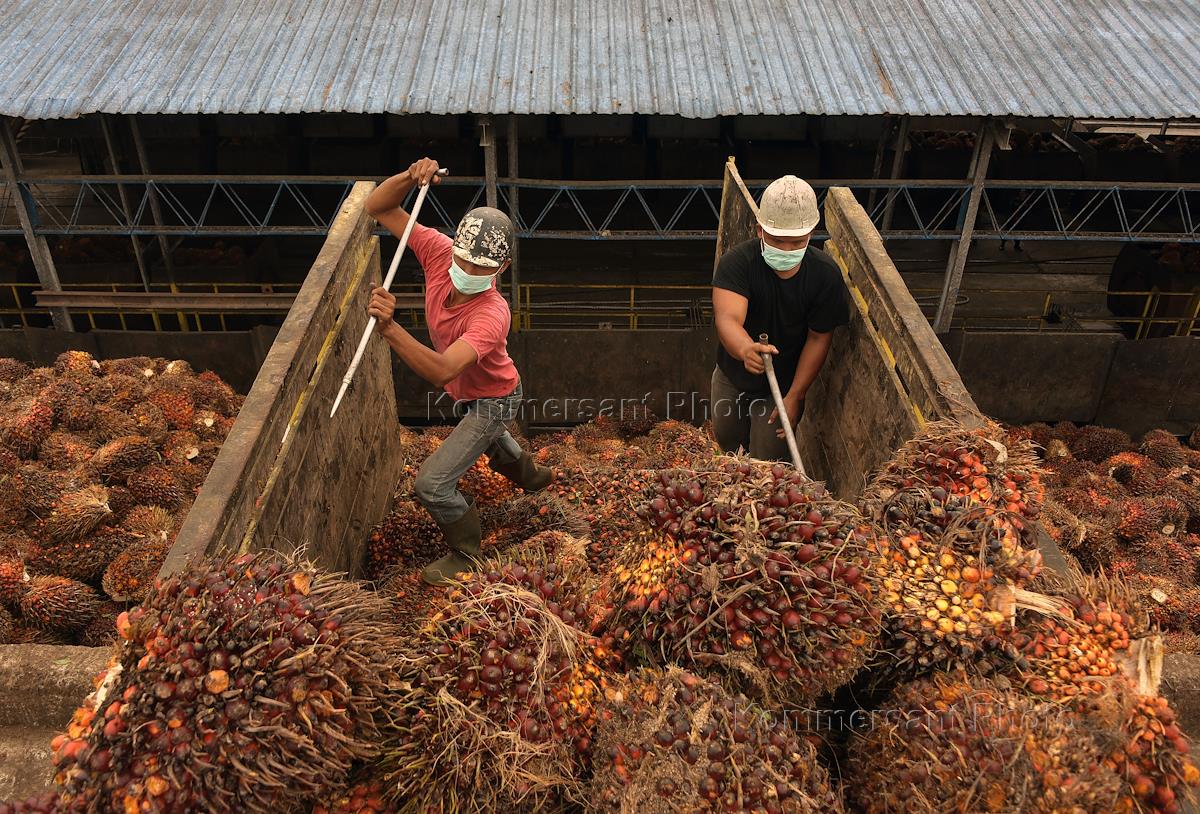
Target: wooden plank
[738,214]
[922,362]
[226,503]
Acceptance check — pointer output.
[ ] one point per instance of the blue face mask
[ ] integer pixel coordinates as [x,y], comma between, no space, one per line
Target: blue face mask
[469,283]
[781,260]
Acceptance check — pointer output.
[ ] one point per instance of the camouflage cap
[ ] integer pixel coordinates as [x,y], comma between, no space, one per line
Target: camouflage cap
[484,237]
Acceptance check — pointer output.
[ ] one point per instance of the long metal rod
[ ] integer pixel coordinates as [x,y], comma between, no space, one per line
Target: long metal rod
[387,283]
[39,250]
[784,418]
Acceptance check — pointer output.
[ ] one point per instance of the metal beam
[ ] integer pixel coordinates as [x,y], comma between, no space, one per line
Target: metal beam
[114,161]
[487,140]
[154,302]
[897,164]
[39,250]
[957,262]
[164,246]
[514,212]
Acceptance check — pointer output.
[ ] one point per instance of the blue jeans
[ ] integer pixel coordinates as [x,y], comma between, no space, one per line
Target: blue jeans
[481,430]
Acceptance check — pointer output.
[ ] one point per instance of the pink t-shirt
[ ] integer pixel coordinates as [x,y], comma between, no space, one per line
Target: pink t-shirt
[482,322]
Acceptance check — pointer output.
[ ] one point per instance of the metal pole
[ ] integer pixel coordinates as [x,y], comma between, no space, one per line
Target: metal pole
[514,212]
[487,140]
[897,165]
[957,261]
[156,212]
[889,125]
[387,284]
[39,250]
[785,419]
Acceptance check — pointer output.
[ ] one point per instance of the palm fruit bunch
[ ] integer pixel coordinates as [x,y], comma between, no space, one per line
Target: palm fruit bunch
[1138,474]
[412,600]
[58,604]
[748,569]
[1164,449]
[1083,644]
[1003,481]
[1098,444]
[84,558]
[407,537]
[952,742]
[1140,520]
[676,444]
[1147,749]
[247,684]
[529,515]
[502,703]
[601,442]
[945,587]
[26,424]
[130,574]
[956,508]
[608,499]
[669,741]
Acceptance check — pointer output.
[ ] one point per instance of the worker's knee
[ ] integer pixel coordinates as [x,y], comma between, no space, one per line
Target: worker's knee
[431,486]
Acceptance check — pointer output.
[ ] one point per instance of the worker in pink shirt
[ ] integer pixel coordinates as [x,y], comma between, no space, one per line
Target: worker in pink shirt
[468,323]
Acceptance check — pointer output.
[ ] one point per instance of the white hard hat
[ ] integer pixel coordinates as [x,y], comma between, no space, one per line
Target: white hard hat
[788,208]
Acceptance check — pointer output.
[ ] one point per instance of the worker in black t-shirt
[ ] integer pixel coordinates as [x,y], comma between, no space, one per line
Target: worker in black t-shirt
[778,285]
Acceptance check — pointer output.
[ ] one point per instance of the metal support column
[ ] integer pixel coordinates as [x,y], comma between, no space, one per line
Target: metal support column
[487,140]
[897,165]
[959,249]
[156,212]
[114,161]
[885,135]
[39,250]
[514,212]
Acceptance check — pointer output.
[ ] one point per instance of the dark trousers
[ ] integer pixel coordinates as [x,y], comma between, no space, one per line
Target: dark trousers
[740,421]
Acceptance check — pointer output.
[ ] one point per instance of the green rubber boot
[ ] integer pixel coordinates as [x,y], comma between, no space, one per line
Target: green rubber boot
[524,472]
[463,537]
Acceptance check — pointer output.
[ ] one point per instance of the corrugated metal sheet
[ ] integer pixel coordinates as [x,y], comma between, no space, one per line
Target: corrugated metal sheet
[695,58]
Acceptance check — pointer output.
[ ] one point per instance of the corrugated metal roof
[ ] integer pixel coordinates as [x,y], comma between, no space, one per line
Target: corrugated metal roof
[695,58]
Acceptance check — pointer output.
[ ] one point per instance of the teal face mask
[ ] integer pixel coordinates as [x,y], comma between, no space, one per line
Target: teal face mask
[469,283]
[781,260]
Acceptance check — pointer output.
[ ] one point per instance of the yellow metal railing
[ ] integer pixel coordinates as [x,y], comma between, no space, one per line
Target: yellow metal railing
[638,307]
[1184,324]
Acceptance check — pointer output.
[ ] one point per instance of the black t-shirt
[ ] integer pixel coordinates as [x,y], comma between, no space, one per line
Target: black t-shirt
[814,298]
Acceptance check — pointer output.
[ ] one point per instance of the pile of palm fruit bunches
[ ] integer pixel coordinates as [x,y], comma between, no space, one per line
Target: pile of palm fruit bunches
[1129,510]
[100,462]
[663,629]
